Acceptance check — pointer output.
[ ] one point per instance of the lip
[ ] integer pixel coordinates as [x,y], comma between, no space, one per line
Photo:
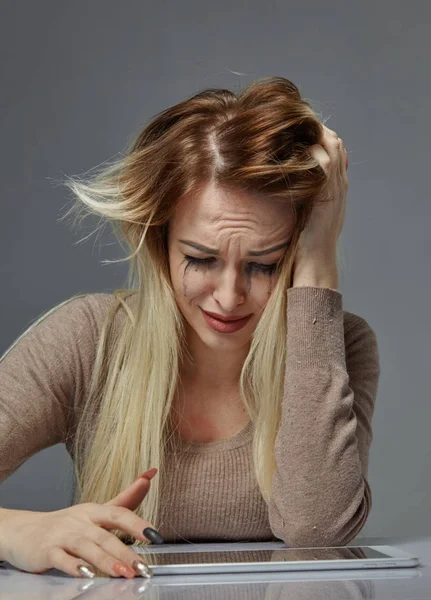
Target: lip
[225,319]
[225,326]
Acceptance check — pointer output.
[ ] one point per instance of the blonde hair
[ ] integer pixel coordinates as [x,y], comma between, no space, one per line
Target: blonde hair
[255,141]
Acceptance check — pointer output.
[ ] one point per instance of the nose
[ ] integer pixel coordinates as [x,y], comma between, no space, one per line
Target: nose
[229,291]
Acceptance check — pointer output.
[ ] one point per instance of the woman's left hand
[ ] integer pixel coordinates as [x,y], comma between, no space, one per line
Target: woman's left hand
[320,235]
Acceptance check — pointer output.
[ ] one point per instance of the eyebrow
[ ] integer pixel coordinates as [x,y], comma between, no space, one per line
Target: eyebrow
[216,252]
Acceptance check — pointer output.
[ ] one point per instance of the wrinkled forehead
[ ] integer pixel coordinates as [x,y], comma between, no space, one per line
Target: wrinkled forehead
[216,207]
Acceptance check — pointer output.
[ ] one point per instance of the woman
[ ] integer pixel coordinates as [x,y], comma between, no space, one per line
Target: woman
[259,429]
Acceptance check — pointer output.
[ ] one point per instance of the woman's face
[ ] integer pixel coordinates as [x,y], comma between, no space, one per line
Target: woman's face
[226,278]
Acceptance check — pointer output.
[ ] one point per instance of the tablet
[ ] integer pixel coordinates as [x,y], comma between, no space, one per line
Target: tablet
[281,559]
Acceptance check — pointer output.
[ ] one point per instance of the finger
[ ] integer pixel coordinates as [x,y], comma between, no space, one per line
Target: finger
[119,517]
[342,158]
[331,131]
[87,550]
[132,496]
[323,158]
[115,547]
[342,152]
[331,143]
[63,561]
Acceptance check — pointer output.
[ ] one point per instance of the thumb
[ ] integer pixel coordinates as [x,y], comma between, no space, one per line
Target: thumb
[133,495]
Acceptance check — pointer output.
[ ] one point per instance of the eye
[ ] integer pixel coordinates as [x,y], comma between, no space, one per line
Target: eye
[251,267]
[191,260]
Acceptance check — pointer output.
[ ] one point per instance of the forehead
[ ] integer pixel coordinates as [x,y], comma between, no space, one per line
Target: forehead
[216,207]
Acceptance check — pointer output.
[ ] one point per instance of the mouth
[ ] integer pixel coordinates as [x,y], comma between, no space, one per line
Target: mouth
[225,319]
[225,327]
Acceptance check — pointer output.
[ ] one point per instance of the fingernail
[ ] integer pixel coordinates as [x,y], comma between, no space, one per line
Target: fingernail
[148,474]
[153,535]
[124,570]
[142,569]
[86,571]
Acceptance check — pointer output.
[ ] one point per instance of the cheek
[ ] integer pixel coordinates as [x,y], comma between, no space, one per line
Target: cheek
[192,281]
[271,284]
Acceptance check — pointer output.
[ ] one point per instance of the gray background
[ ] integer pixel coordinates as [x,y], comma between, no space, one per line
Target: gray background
[79,80]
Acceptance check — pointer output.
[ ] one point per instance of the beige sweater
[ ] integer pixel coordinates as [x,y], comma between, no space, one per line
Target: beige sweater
[320,491]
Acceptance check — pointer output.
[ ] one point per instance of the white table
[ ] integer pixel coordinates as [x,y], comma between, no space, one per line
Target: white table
[379,584]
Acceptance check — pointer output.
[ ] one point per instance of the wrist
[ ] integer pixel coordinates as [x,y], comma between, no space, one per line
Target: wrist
[321,272]
[6,516]
[324,282]
[4,512]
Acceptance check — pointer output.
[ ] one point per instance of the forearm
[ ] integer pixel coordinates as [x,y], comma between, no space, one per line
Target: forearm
[319,494]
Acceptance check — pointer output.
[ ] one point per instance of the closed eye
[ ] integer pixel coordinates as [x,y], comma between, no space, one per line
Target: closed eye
[251,267]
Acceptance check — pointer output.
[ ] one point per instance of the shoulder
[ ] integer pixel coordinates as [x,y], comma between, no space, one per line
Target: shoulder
[84,310]
[91,311]
[73,323]
[82,314]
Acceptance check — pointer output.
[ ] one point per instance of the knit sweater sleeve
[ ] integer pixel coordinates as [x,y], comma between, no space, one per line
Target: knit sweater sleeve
[320,493]
[43,376]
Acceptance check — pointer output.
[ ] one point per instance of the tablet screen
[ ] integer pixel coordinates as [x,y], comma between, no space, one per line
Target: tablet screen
[279,555]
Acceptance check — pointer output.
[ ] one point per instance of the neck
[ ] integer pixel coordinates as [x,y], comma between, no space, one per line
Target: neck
[211,368]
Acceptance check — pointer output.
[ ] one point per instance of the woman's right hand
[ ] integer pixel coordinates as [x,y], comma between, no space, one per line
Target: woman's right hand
[39,541]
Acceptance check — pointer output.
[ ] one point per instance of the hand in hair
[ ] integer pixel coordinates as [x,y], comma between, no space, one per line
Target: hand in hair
[63,539]
[320,235]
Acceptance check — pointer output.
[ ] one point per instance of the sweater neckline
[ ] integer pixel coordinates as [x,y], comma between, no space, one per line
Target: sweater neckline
[240,439]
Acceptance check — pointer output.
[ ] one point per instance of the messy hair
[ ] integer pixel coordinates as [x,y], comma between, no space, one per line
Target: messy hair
[255,141]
